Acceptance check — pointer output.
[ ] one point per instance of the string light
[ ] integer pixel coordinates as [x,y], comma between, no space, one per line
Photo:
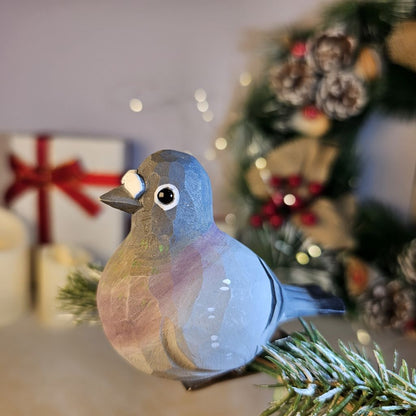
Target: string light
[265,175]
[289,199]
[230,219]
[363,337]
[200,95]
[260,163]
[314,251]
[208,116]
[245,79]
[221,143]
[253,149]
[302,258]
[135,105]
[202,106]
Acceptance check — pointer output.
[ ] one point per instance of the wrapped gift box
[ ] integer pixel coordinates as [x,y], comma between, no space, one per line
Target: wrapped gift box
[55,184]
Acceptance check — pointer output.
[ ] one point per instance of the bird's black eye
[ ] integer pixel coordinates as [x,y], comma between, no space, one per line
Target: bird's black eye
[167,196]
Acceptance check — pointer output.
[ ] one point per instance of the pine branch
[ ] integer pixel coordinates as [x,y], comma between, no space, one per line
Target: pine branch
[78,296]
[314,379]
[371,21]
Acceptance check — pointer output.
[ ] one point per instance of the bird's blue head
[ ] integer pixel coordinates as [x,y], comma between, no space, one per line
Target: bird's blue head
[169,194]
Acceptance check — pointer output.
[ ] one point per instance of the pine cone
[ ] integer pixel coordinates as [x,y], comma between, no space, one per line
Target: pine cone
[407,262]
[330,51]
[341,95]
[294,82]
[388,305]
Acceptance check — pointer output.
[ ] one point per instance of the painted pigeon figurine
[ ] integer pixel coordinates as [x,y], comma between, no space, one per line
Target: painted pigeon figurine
[180,298]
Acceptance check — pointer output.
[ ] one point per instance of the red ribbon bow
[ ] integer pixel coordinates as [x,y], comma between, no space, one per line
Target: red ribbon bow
[68,177]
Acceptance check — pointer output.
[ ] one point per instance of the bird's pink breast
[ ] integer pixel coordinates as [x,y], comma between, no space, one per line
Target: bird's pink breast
[138,298]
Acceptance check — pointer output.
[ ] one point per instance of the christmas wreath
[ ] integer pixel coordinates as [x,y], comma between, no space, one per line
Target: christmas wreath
[293,140]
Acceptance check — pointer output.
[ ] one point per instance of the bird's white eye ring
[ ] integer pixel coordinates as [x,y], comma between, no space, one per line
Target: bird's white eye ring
[167,196]
[133,183]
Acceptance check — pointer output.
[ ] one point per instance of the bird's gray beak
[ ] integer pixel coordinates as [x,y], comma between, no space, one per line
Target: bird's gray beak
[121,199]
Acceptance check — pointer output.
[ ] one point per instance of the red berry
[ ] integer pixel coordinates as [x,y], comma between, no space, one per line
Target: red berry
[275,181]
[294,181]
[276,221]
[256,220]
[277,199]
[308,218]
[297,203]
[298,49]
[316,188]
[269,209]
[311,112]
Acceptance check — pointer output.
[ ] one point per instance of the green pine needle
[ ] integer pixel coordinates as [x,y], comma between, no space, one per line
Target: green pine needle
[314,379]
[78,296]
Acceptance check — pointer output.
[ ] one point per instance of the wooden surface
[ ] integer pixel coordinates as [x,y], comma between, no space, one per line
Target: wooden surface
[75,372]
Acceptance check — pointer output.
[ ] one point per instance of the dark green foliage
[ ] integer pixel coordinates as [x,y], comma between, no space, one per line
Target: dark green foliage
[381,235]
[398,92]
[262,110]
[345,171]
[369,21]
[313,378]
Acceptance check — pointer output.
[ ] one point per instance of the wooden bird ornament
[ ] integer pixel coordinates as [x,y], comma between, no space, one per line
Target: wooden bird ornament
[179,298]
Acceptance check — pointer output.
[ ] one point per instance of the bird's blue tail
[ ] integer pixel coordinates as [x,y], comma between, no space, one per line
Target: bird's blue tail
[309,300]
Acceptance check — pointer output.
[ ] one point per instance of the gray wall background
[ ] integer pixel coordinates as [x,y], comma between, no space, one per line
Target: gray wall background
[72,66]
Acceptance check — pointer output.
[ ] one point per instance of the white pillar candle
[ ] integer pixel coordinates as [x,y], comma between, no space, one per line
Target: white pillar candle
[54,263]
[14,267]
